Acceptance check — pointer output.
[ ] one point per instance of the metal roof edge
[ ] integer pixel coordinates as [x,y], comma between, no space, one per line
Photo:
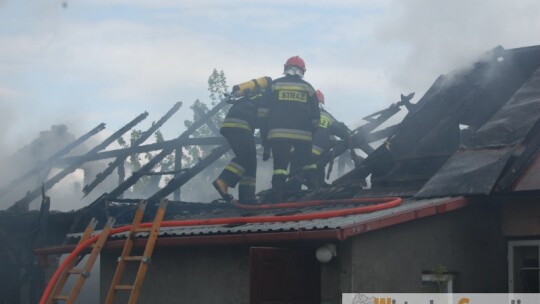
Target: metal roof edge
[339,234]
[451,204]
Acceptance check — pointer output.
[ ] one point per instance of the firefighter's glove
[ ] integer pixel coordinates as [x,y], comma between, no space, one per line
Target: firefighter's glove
[266,154]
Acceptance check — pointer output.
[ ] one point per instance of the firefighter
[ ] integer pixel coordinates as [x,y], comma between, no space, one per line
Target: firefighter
[238,128]
[293,114]
[324,136]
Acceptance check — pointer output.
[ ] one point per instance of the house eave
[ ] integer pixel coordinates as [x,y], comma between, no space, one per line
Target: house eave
[339,234]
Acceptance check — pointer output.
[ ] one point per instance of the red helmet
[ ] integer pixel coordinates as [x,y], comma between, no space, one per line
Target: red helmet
[320,96]
[297,62]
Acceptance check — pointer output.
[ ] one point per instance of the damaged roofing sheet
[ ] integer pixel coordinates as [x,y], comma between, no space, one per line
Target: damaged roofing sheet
[431,132]
[476,167]
[462,135]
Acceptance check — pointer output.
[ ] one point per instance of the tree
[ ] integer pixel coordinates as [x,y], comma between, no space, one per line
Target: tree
[217,86]
[146,184]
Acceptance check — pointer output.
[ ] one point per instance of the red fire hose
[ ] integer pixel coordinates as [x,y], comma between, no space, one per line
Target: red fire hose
[382,203]
[377,200]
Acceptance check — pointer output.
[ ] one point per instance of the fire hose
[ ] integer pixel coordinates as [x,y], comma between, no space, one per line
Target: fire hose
[382,203]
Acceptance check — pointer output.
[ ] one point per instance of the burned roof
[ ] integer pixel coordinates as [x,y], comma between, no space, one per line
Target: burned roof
[464,133]
[475,131]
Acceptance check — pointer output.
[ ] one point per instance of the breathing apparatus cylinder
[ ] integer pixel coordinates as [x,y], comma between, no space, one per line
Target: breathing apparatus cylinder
[252,87]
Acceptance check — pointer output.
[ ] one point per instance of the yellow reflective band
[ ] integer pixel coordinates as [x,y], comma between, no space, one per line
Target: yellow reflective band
[280,172]
[256,96]
[234,170]
[235,125]
[310,167]
[325,121]
[290,136]
[247,182]
[316,150]
[291,87]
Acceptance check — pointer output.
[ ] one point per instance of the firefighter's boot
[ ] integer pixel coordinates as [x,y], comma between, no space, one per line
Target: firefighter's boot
[312,181]
[278,185]
[222,188]
[246,191]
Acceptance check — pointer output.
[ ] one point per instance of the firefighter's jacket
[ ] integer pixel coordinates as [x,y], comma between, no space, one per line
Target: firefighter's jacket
[293,109]
[242,116]
[328,128]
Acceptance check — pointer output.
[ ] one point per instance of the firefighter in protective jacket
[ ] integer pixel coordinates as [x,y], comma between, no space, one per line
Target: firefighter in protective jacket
[323,137]
[293,115]
[238,127]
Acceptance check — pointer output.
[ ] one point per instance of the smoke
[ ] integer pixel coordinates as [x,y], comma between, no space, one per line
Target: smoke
[371,54]
[26,158]
[430,38]
[412,42]
[66,194]
[5,122]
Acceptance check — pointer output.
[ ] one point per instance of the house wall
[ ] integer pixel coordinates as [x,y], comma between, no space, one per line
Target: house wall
[521,217]
[468,241]
[210,275]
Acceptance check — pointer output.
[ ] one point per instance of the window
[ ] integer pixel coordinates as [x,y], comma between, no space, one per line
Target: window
[524,266]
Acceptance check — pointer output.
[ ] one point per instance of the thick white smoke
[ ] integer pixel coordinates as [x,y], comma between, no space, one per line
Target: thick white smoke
[430,38]
[65,195]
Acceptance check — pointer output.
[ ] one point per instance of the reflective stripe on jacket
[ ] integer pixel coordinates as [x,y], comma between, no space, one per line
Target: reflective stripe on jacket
[328,127]
[293,109]
[242,116]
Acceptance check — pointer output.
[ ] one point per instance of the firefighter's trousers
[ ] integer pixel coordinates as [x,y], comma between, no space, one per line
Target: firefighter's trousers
[243,166]
[301,153]
[301,174]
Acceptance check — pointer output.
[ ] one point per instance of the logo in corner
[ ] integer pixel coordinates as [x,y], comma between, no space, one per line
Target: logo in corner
[362,299]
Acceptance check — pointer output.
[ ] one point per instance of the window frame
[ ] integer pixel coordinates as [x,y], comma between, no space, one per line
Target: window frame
[511,246]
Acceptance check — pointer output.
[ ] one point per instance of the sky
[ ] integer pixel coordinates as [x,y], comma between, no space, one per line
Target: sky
[81,63]
[90,61]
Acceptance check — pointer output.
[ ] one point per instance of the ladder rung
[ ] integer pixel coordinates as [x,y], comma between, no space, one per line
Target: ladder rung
[134,258]
[145,258]
[123,287]
[61,297]
[75,271]
[137,258]
[85,274]
[142,229]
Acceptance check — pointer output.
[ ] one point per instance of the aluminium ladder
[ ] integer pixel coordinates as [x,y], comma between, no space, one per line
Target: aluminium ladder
[144,260]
